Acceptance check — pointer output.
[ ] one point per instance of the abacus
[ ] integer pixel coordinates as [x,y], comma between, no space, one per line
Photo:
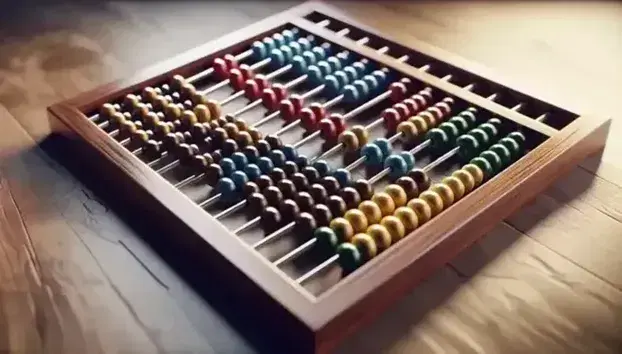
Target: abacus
[320,168]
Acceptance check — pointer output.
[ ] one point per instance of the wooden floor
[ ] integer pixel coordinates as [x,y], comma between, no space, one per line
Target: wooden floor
[76,279]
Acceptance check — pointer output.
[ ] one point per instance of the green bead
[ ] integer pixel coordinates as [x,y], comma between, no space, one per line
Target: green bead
[490,129]
[482,137]
[468,147]
[519,137]
[469,115]
[450,129]
[460,122]
[495,121]
[493,159]
[484,165]
[349,257]
[503,152]
[326,239]
[438,139]
[512,145]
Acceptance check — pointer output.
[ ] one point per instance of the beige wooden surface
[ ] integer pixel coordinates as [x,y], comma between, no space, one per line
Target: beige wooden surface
[74,278]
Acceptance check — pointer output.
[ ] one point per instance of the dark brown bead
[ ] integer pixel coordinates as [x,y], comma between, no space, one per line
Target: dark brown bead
[170,142]
[231,129]
[208,144]
[217,155]
[271,219]
[213,173]
[305,224]
[273,195]
[230,118]
[187,136]
[305,201]
[241,124]
[409,185]
[277,174]
[364,188]
[222,121]
[300,181]
[165,89]
[311,173]
[251,152]
[263,147]
[351,197]
[337,205]
[274,141]
[331,185]
[289,210]
[188,104]
[201,162]
[185,153]
[177,125]
[421,178]
[264,182]
[322,215]
[176,96]
[138,124]
[290,168]
[251,187]
[244,139]
[200,131]
[162,128]
[219,135]
[229,147]
[318,192]
[214,124]
[287,187]
[150,120]
[152,149]
[256,203]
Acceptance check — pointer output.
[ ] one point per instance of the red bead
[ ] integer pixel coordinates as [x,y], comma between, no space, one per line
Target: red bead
[398,90]
[318,110]
[427,94]
[220,68]
[232,63]
[408,84]
[338,122]
[412,106]
[421,102]
[288,111]
[436,112]
[328,131]
[280,91]
[391,119]
[262,82]
[297,101]
[308,119]
[246,71]
[403,110]
[236,79]
[251,89]
[269,99]
[446,104]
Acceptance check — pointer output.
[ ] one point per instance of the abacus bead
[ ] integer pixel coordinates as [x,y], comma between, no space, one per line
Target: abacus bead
[468,146]
[349,257]
[364,188]
[231,129]
[311,173]
[315,74]
[220,68]
[300,181]
[214,173]
[349,141]
[434,200]
[251,153]
[324,67]
[466,178]
[318,192]
[409,186]
[264,181]
[398,90]
[273,195]
[308,119]
[251,188]
[381,236]
[226,186]
[407,217]
[214,108]
[336,205]
[361,134]
[351,94]
[445,192]
[372,153]
[366,245]
[287,187]
[290,167]
[512,145]
[289,209]
[343,176]
[318,109]
[106,111]
[362,88]
[231,61]
[428,117]
[408,130]
[334,62]
[503,152]
[394,226]
[490,129]
[391,119]
[271,219]
[328,131]
[277,58]
[287,110]
[396,193]
[255,134]
[263,147]
[229,147]
[278,158]
[251,89]
[302,161]
[476,173]
[326,239]
[411,105]
[439,140]
[277,174]
[320,52]
[408,158]
[270,99]
[481,136]
[421,178]
[456,186]
[236,79]
[518,137]
[228,166]
[469,115]
[322,214]
[244,139]
[305,223]
[299,64]
[460,123]
[357,219]
[265,164]
[201,162]
[289,151]
[419,123]
[259,50]
[493,159]
[305,201]
[279,40]
[397,166]
[385,203]
[422,209]
[342,228]
[117,118]
[240,160]
[239,178]
[274,141]
[450,129]
[351,197]
[352,74]
[384,145]
[371,210]
[338,122]
[322,167]
[342,78]
[484,165]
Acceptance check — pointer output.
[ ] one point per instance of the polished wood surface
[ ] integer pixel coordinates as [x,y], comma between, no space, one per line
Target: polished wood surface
[76,279]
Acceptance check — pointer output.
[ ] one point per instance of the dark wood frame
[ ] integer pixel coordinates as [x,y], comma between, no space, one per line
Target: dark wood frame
[319,323]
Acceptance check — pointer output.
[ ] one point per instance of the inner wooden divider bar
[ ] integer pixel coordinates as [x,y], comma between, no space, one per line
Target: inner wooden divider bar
[426,78]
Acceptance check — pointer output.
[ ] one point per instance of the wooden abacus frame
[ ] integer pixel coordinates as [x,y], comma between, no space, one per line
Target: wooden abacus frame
[318,323]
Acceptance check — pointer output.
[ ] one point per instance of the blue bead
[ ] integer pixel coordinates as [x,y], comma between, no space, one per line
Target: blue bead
[239,178]
[304,43]
[315,74]
[362,88]
[259,50]
[278,158]
[289,35]
[277,58]
[296,48]
[309,57]
[332,85]
[290,152]
[299,64]
[381,76]
[371,82]
[288,53]
[350,94]
[239,159]
[322,167]
[252,171]
[226,187]
[361,68]
[351,72]
[335,63]
[342,78]
[343,176]
[397,166]
[265,164]
[409,159]
[228,166]
[319,52]
[325,67]
[302,161]
[345,58]
[270,44]
[384,145]
[372,153]
[279,40]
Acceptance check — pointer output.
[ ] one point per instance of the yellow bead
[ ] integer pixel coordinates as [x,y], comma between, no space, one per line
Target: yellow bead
[385,203]
[434,201]
[372,211]
[172,112]
[467,179]
[394,226]
[366,245]
[189,118]
[198,98]
[420,124]
[342,229]
[428,117]
[445,192]
[241,124]
[397,193]
[255,134]
[202,113]
[408,217]
[475,172]
[381,236]
[408,130]
[349,140]
[361,134]
[231,129]
[357,219]
[456,186]
[214,108]
[422,209]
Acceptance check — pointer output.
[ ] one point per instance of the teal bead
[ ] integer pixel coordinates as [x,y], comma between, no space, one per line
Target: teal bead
[345,58]
[302,161]
[228,166]
[371,82]
[351,94]
[484,165]
[468,147]
[349,257]
[351,72]
[324,67]
[289,35]
[372,153]
[343,176]
[493,159]
[309,57]
[469,114]
[360,68]
[259,50]
[290,152]
[342,78]
[490,129]
[362,87]
[512,145]
[482,138]
[239,159]
[409,159]
[335,63]
[397,166]
[265,164]
[299,64]
[461,123]
[322,167]
[380,76]
[315,74]
[384,145]
[226,186]
[504,153]
[296,48]
[277,58]
[239,179]
[270,44]
[252,171]
[326,239]
[438,139]
[518,137]
[496,122]
[319,52]
[279,40]
[288,54]
[332,85]
[305,44]
[278,158]
[450,129]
